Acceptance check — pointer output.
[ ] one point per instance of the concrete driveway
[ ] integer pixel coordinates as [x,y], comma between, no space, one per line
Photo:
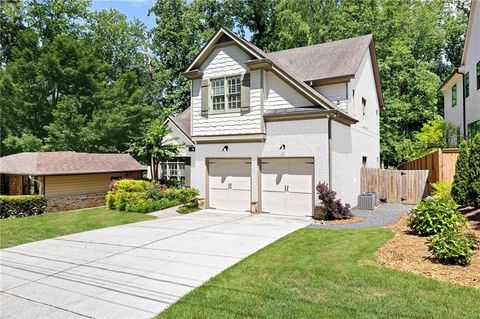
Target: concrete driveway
[130,271]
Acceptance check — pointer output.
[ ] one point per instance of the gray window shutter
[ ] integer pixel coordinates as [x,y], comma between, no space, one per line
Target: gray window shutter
[205,98]
[245,96]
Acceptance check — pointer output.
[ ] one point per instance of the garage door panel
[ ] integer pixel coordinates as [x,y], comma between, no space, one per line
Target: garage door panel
[230,184]
[273,202]
[287,186]
[298,204]
[274,175]
[240,200]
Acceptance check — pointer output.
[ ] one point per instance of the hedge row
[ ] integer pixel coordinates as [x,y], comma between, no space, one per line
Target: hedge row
[22,206]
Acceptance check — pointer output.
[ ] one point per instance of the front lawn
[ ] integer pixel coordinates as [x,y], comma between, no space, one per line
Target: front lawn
[16,231]
[315,273]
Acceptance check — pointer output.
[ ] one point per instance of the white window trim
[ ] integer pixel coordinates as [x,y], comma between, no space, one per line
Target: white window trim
[225,89]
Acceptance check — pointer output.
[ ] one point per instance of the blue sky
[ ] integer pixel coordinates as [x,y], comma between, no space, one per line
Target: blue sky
[131,8]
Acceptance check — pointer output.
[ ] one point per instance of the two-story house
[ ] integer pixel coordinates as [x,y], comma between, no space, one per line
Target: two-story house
[263,129]
[461,90]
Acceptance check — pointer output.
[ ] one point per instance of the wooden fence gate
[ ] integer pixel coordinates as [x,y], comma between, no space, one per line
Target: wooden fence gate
[397,186]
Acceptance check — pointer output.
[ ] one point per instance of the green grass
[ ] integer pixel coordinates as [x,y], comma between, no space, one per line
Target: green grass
[18,231]
[316,273]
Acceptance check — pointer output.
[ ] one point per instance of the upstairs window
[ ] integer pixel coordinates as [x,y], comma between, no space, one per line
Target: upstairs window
[467,84]
[454,95]
[478,75]
[364,111]
[226,91]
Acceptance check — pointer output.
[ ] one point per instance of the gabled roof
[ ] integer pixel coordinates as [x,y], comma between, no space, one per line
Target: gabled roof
[326,60]
[182,121]
[300,65]
[67,163]
[474,10]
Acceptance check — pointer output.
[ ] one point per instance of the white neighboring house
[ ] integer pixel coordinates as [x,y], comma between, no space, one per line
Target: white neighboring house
[462,89]
[263,129]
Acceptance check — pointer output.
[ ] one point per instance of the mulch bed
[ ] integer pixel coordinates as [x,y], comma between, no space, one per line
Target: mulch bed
[408,252]
[353,220]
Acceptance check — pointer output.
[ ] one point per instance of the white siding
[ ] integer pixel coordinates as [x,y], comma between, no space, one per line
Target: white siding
[337,93]
[181,139]
[225,62]
[280,95]
[349,145]
[472,106]
[364,85]
[454,115]
[307,138]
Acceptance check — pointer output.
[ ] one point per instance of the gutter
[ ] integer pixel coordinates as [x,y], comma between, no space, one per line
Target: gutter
[464,109]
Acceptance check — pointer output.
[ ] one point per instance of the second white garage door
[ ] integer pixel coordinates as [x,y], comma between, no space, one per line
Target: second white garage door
[229,184]
[287,186]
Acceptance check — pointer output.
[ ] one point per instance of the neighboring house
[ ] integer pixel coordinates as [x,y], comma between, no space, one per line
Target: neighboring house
[69,180]
[462,89]
[263,129]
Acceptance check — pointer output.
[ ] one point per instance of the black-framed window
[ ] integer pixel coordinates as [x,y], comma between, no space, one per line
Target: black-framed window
[473,129]
[478,75]
[454,95]
[467,84]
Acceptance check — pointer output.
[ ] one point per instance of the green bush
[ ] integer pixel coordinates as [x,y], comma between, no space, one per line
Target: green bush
[466,184]
[188,208]
[110,200]
[155,191]
[22,205]
[151,205]
[453,247]
[119,199]
[434,216]
[131,185]
[442,190]
[182,195]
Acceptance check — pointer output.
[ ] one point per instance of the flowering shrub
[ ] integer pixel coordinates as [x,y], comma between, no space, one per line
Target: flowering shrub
[434,216]
[334,209]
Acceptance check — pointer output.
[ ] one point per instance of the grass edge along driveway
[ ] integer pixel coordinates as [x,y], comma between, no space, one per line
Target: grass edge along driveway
[17,231]
[315,273]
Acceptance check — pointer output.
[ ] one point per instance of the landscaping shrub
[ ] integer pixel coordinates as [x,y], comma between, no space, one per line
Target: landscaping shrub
[22,206]
[151,205]
[466,184]
[434,216]
[334,209]
[188,208]
[130,185]
[453,247]
[144,197]
[442,190]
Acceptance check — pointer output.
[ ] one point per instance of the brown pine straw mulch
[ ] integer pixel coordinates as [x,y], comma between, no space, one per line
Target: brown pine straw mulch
[408,252]
[353,220]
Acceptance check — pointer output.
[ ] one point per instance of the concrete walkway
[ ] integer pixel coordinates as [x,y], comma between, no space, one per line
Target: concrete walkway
[130,271]
[384,215]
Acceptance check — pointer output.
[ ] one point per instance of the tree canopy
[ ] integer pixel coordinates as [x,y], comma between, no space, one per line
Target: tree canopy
[73,79]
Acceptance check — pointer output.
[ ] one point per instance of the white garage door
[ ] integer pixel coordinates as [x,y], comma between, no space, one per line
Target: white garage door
[229,184]
[287,186]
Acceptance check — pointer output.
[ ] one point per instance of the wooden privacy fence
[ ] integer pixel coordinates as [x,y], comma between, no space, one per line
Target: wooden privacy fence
[440,164]
[397,186]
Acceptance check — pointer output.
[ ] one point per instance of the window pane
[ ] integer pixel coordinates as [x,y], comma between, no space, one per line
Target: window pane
[234,85]
[218,103]
[467,84]
[454,95]
[218,87]
[478,75]
[234,101]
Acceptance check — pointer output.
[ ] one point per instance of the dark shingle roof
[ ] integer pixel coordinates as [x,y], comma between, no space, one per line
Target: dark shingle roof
[182,121]
[67,163]
[326,60]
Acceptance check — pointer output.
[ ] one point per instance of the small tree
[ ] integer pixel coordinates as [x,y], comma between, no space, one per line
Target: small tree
[466,183]
[334,208]
[156,146]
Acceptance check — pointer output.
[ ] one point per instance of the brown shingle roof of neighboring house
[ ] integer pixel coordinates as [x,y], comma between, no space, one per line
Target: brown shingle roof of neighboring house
[67,163]
[326,60]
[182,121]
